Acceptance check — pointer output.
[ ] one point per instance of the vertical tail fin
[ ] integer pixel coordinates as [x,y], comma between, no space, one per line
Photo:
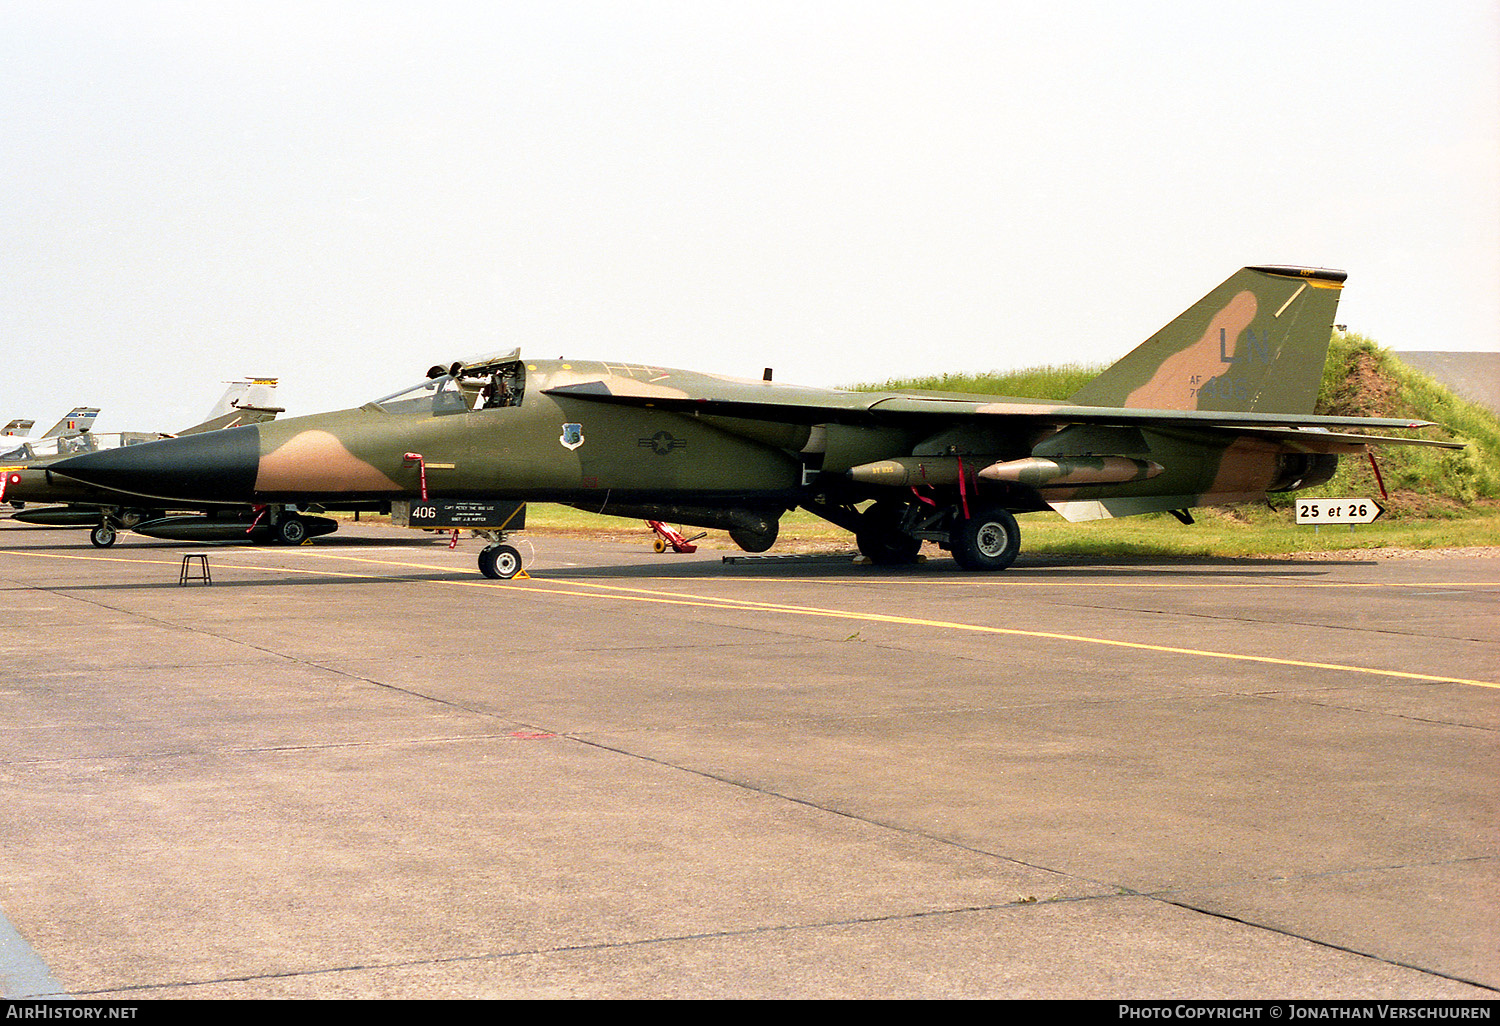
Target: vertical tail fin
[17,427]
[79,420]
[1255,344]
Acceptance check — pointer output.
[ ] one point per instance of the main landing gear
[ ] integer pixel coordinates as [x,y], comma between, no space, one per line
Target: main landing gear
[987,540]
[881,537]
[890,532]
[286,525]
[290,529]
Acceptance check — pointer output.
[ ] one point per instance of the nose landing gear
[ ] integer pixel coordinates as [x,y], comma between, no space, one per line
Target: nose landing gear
[491,520]
[500,562]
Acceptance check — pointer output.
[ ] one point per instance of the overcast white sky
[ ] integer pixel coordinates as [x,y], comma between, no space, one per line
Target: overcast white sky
[341,194]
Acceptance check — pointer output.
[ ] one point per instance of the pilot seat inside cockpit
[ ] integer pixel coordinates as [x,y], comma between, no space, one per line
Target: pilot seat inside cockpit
[505,387]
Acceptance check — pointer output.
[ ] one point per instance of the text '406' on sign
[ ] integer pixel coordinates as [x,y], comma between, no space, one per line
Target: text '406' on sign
[449,514]
[1338,511]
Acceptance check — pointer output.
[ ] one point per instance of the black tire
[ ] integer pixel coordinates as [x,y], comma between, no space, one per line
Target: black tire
[752,540]
[499,562]
[988,540]
[103,536]
[290,530]
[880,538]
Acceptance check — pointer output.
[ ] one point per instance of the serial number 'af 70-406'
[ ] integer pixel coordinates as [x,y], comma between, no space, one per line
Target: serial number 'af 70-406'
[1214,408]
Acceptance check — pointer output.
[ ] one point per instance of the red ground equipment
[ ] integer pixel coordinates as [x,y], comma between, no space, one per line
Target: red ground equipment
[666,536]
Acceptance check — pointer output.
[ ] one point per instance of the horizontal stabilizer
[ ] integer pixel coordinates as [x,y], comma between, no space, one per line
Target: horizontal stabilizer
[1077,511]
[1345,442]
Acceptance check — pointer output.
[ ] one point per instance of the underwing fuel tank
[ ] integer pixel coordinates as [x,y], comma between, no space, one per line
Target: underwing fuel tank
[205,529]
[58,516]
[1071,471]
[1035,471]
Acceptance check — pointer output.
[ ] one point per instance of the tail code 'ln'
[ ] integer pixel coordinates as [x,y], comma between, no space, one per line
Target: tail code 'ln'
[1255,344]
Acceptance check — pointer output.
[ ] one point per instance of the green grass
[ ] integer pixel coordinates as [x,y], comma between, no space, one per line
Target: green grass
[1229,533]
[1049,382]
[1222,533]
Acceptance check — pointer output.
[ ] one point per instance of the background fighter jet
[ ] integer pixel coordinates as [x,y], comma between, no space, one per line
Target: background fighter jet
[1214,408]
[250,401]
[17,445]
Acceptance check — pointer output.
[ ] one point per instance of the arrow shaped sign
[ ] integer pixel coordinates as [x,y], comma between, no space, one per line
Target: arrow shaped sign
[1338,511]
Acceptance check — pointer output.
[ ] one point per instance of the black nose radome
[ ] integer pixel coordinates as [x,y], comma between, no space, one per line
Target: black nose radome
[217,466]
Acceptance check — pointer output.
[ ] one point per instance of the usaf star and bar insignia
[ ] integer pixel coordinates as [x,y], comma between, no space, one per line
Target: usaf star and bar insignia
[663,443]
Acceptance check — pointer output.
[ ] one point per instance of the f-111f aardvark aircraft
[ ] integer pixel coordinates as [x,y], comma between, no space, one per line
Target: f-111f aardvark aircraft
[1214,408]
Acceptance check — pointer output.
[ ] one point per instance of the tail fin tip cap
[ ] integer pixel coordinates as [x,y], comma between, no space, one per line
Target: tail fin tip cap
[1314,273]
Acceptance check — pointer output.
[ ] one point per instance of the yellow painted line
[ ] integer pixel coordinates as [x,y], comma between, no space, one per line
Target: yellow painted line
[65,555]
[634,594]
[622,593]
[627,594]
[1184,586]
[178,561]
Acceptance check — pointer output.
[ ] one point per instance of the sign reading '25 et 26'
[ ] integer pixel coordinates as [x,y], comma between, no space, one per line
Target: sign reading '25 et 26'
[1338,511]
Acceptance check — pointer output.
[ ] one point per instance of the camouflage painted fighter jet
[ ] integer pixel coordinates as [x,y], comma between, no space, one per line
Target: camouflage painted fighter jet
[1214,408]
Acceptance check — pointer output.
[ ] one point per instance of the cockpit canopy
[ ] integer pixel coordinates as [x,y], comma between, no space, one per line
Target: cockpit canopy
[485,384]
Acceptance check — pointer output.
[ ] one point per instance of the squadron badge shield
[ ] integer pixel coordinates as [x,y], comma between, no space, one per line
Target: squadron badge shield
[572,436]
